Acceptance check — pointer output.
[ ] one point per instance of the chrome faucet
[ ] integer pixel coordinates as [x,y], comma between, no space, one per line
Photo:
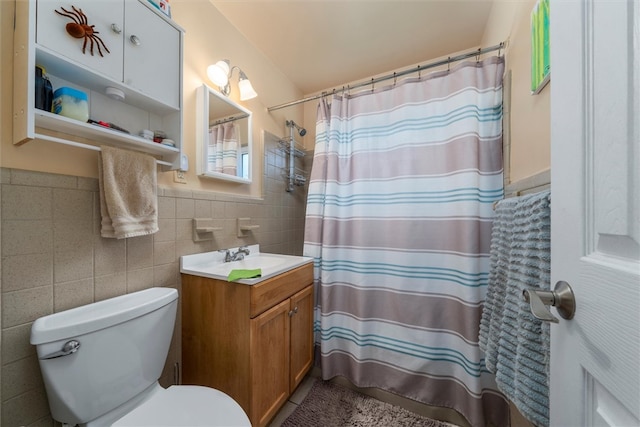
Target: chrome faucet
[240,254]
[236,256]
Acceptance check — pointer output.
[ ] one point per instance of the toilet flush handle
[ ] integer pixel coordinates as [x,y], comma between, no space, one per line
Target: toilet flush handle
[68,348]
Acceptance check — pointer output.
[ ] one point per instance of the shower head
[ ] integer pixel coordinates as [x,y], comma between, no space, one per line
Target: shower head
[301,131]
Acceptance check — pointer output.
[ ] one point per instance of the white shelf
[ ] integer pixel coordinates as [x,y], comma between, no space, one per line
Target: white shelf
[81,76]
[57,123]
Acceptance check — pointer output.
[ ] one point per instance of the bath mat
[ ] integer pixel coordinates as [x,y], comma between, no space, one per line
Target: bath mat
[328,404]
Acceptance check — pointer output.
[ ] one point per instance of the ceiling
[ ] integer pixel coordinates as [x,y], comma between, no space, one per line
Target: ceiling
[321,44]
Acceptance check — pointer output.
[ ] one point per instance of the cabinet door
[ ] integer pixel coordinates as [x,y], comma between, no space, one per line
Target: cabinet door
[151,54]
[301,335]
[51,33]
[269,363]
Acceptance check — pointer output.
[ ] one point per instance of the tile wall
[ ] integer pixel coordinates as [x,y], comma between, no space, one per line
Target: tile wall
[53,257]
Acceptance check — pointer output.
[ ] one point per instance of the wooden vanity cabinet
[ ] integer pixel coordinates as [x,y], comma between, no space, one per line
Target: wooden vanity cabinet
[253,342]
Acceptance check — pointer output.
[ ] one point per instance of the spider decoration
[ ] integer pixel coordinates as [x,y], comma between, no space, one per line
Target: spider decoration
[80,28]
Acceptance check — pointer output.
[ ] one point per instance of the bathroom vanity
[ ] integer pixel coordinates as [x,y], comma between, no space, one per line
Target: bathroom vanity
[252,341]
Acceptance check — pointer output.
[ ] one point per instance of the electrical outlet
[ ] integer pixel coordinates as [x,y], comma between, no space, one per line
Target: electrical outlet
[180,176]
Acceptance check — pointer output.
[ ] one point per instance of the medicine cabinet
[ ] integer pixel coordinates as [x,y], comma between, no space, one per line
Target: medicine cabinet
[224,137]
[143,67]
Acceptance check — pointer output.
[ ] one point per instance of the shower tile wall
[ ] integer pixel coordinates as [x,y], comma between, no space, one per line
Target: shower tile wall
[53,258]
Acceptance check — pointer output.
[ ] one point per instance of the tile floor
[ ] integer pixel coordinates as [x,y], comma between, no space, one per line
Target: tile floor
[296,398]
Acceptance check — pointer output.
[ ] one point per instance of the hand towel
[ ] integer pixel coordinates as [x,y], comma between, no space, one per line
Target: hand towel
[128,193]
[516,344]
[244,274]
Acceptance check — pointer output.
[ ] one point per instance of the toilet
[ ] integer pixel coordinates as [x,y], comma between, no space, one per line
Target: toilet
[101,364]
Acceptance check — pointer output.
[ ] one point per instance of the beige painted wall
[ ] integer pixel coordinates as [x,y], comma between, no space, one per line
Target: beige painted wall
[209,37]
[530,143]
[529,115]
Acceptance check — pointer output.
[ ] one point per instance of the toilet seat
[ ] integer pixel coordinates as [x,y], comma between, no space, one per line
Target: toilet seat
[186,406]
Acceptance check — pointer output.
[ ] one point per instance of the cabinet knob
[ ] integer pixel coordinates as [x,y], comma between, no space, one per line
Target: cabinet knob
[116,29]
[290,313]
[135,40]
[295,310]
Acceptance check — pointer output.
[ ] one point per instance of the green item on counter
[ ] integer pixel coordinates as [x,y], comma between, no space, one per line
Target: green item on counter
[244,274]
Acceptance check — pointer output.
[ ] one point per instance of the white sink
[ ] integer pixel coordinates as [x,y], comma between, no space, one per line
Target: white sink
[211,264]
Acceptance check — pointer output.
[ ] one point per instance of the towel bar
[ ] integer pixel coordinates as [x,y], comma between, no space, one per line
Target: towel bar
[81,145]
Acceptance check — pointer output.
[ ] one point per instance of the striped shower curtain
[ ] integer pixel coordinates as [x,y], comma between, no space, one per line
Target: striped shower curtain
[222,153]
[398,221]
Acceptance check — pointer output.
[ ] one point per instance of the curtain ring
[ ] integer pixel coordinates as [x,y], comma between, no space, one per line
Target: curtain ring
[419,72]
[372,85]
[500,49]
[448,64]
[478,56]
[394,78]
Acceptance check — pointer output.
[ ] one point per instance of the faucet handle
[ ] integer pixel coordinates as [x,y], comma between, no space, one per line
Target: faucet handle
[227,254]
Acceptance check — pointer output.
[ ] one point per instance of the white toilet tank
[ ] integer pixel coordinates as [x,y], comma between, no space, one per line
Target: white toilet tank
[99,356]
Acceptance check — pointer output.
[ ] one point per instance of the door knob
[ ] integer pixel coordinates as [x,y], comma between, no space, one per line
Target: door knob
[562,298]
[135,40]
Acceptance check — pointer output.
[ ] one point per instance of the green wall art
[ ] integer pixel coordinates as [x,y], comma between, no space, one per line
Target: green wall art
[540,67]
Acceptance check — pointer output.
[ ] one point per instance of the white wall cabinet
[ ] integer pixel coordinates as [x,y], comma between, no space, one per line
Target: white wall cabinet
[51,34]
[144,62]
[154,65]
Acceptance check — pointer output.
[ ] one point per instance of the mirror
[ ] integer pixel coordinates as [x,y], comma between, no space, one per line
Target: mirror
[223,137]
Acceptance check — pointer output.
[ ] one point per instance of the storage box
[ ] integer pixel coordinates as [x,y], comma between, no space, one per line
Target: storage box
[72,103]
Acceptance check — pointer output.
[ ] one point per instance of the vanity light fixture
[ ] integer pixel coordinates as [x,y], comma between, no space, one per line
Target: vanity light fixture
[220,73]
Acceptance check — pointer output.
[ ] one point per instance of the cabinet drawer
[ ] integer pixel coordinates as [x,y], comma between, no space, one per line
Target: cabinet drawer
[266,294]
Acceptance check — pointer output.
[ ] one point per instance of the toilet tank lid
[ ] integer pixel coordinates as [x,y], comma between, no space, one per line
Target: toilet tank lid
[99,315]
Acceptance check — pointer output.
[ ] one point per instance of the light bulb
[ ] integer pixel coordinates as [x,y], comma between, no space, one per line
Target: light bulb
[219,73]
[246,90]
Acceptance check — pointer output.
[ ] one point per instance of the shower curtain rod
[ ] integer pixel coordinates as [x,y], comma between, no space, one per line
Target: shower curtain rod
[228,119]
[449,60]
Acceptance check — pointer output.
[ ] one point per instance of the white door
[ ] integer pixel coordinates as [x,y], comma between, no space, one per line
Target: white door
[595,211]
